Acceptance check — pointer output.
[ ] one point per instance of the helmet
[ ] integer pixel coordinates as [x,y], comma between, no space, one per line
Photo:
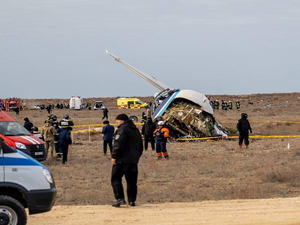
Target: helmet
[66,117]
[54,117]
[160,123]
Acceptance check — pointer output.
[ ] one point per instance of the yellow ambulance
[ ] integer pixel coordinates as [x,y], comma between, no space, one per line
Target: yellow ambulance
[130,103]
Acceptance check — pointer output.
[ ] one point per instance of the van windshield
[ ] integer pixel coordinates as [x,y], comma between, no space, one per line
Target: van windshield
[12,128]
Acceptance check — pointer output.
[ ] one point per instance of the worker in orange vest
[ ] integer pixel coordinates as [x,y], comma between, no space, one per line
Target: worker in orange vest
[161,135]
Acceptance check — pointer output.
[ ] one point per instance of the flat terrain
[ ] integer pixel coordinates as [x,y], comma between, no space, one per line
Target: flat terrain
[204,182]
[235,212]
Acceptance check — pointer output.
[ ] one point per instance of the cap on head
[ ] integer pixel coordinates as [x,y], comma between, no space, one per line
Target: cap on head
[122,117]
[160,123]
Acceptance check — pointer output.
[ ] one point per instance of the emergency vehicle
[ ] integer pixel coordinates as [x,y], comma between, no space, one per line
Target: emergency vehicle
[16,136]
[130,103]
[24,183]
[12,103]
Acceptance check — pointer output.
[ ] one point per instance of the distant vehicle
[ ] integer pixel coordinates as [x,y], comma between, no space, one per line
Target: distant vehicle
[76,102]
[16,136]
[24,183]
[12,104]
[130,103]
[185,112]
[99,105]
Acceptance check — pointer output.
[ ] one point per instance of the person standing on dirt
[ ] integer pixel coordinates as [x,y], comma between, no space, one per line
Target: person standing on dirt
[64,140]
[147,132]
[127,150]
[48,132]
[66,122]
[161,135]
[243,126]
[58,129]
[108,132]
[105,113]
[27,124]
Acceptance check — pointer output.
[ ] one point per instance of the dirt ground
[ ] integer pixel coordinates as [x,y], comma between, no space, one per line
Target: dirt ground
[247,212]
[219,184]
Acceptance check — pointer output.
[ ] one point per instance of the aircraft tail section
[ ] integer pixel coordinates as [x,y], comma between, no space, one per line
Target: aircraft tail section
[142,74]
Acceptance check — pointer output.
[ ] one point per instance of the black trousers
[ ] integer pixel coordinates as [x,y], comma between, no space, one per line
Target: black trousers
[131,173]
[65,152]
[105,116]
[151,138]
[105,142]
[244,136]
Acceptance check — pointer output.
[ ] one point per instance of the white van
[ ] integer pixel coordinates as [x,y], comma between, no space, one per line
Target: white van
[24,183]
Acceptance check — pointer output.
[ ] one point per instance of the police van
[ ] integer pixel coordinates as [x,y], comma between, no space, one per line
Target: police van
[24,183]
[16,136]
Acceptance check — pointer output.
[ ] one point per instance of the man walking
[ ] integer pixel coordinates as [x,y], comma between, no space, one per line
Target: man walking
[161,134]
[64,140]
[147,132]
[108,132]
[127,150]
[48,132]
[243,126]
[105,113]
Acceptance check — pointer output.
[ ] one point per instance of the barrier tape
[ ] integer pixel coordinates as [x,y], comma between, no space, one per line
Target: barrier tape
[263,121]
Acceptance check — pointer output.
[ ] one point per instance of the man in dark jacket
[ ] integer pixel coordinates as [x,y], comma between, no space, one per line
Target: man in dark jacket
[27,124]
[105,113]
[127,150]
[108,132]
[147,132]
[243,126]
[64,140]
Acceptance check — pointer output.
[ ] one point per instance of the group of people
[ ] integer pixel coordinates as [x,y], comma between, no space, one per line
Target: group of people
[225,105]
[56,135]
[127,150]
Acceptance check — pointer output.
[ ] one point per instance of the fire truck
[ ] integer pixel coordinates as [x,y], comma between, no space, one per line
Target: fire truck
[12,103]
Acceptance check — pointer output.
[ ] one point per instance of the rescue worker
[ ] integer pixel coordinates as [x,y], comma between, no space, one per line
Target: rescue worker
[161,134]
[105,113]
[49,107]
[90,106]
[66,122]
[147,133]
[58,129]
[243,126]
[108,132]
[48,132]
[223,105]
[229,105]
[64,140]
[238,105]
[127,150]
[217,104]
[27,124]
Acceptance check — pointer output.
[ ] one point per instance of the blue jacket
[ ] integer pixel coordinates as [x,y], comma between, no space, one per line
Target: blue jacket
[64,139]
[108,132]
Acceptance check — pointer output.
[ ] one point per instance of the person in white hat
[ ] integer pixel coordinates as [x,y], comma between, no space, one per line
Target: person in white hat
[161,135]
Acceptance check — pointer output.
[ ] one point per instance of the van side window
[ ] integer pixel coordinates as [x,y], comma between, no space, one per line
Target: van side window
[7,149]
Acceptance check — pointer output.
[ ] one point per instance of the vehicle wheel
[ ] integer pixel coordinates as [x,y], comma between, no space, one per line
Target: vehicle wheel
[133,118]
[12,211]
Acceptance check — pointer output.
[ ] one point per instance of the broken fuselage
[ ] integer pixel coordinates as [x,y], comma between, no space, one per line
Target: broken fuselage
[187,113]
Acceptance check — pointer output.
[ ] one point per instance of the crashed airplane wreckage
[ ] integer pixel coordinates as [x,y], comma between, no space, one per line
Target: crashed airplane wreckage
[187,113]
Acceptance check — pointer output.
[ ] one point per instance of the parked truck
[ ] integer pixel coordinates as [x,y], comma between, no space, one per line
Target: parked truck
[16,136]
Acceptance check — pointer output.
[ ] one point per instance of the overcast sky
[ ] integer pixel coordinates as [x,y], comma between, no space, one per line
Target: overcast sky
[56,48]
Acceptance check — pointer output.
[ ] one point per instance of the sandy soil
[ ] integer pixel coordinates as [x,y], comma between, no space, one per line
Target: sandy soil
[259,211]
